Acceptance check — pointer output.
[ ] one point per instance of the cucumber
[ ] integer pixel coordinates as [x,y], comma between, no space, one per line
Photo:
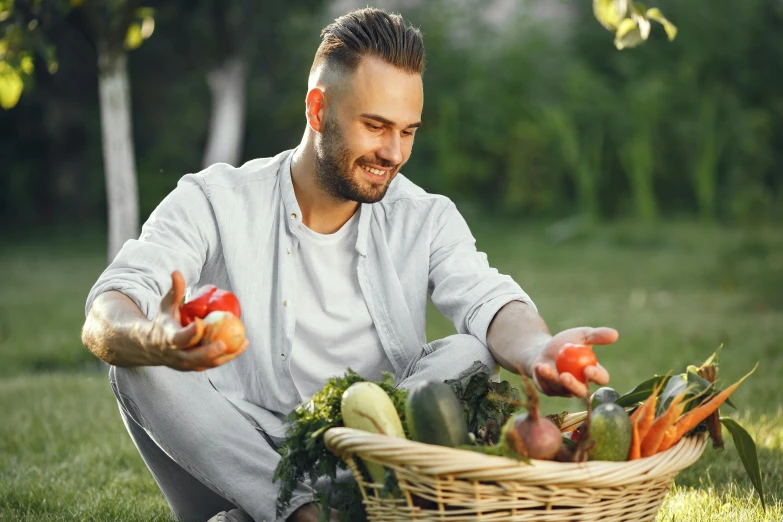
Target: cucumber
[610,431]
[365,406]
[434,415]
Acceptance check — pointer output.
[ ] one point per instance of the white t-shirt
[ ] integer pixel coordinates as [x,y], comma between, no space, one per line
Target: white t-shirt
[334,330]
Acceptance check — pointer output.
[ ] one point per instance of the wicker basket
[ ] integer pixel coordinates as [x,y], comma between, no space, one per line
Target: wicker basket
[458,485]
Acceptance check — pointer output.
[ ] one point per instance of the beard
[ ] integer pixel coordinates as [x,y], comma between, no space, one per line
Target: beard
[334,169]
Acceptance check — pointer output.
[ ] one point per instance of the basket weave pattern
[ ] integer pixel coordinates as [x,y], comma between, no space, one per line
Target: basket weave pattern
[457,485]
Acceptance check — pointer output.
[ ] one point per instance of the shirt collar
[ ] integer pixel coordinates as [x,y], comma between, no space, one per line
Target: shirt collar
[294,213]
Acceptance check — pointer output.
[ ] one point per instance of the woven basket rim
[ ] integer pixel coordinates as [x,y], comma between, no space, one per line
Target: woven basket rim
[455,463]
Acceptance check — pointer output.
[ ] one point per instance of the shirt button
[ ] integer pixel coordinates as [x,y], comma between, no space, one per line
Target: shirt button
[293,216]
[286,303]
[283,356]
[288,250]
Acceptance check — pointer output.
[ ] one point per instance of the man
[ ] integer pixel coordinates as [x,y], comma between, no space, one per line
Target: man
[332,254]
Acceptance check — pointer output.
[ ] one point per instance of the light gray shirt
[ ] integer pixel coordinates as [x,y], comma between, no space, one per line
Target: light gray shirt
[237,228]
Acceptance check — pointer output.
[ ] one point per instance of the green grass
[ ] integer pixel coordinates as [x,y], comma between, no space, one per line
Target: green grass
[675,293]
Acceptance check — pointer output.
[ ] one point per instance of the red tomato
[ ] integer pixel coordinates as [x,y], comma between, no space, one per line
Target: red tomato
[574,358]
[196,307]
[224,301]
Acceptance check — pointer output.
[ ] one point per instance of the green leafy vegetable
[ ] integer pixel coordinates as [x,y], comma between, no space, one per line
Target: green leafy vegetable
[486,405]
[747,452]
[304,454]
[641,392]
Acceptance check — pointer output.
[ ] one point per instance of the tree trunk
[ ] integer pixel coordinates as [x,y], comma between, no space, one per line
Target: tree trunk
[118,158]
[227,118]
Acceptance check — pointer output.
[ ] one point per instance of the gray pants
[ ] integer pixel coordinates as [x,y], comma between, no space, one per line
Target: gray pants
[207,457]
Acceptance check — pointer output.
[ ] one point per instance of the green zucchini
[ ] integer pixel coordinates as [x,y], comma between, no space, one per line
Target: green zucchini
[434,415]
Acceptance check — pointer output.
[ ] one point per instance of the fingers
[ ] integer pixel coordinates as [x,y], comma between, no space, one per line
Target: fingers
[170,302]
[564,384]
[206,357]
[223,359]
[597,374]
[548,381]
[601,335]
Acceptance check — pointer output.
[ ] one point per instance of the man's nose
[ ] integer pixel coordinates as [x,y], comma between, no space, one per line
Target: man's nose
[391,150]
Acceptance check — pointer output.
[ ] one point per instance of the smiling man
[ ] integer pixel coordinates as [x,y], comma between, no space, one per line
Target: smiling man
[333,254]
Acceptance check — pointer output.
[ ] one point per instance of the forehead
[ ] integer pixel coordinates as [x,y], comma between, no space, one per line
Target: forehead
[377,87]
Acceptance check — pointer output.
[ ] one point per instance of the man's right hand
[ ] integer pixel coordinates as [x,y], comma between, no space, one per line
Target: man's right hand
[119,333]
[171,340]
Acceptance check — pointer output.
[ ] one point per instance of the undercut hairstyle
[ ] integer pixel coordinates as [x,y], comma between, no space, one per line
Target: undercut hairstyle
[370,32]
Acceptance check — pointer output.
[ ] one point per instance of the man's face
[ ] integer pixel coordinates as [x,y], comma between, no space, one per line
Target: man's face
[367,133]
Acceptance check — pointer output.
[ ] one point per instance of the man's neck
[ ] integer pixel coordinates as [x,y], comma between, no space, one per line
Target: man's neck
[320,212]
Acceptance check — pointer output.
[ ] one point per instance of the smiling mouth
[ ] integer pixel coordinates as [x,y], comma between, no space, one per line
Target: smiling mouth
[371,170]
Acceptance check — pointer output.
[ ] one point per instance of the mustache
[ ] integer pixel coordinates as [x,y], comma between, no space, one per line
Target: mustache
[378,161]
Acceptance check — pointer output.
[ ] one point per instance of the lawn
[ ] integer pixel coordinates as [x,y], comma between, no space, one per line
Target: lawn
[675,292]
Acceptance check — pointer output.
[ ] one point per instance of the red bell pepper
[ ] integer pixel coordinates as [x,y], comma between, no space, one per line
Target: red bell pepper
[209,299]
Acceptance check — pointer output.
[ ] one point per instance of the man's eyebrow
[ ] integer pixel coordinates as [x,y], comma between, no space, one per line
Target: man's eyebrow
[386,121]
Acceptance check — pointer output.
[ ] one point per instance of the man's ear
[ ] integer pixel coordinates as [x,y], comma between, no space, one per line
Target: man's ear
[315,104]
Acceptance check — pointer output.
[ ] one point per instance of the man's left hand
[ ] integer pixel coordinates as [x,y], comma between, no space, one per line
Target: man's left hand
[545,374]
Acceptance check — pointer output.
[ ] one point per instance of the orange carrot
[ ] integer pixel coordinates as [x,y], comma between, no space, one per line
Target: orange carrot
[636,444]
[657,431]
[698,414]
[644,416]
[641,420]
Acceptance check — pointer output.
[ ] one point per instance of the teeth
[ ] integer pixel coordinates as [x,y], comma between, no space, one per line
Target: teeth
[374,171]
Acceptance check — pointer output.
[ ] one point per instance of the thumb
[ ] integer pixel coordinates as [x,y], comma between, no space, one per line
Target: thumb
[170,302]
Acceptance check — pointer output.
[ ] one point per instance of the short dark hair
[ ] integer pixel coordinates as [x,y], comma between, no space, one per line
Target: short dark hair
[370,32]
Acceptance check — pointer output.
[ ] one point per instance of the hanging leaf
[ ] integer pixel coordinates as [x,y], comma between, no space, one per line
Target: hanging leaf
[11,86]
[656,15]
[134,37]
[610,12]
[628,35]
[641,392]
[747,452]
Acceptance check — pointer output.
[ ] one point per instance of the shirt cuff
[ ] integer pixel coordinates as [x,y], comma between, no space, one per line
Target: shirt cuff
[148,303]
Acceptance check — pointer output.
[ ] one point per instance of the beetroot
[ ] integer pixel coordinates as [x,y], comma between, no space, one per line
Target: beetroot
[531,435]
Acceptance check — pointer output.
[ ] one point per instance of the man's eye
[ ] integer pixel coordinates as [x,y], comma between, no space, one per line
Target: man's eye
[373,127]
[407,133]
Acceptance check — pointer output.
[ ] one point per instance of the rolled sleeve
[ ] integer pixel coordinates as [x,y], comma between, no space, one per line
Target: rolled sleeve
[462,285]
[181,234]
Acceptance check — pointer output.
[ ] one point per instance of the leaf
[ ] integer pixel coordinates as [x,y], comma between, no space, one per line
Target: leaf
[628,34]
[671,31]
[11,86]
[609,13]
[134,37]
[641,392]
[747,452]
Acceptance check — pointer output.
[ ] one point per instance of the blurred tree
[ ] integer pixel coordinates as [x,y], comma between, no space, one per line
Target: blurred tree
[116,26]
[225,39]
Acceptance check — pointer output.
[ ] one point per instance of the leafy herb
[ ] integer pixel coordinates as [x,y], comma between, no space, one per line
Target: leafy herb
[304,454]
[486,405]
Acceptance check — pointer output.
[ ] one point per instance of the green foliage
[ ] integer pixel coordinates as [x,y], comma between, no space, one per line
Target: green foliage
[304,454]
[23,26]
[532,117]
[746,448]
[486,405]
[545,119]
